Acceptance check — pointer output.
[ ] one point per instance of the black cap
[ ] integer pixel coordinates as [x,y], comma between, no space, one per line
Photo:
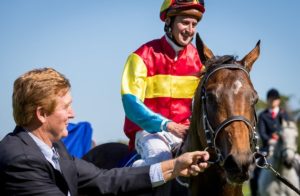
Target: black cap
[273,94]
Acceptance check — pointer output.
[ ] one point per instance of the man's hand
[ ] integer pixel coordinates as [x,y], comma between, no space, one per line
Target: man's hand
[187,164]
[191,163]
[178,130]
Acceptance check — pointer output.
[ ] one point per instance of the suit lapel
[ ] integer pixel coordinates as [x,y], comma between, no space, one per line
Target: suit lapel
[67,167]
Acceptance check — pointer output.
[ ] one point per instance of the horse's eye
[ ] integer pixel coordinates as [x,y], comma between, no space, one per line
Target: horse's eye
[254,99]
[210,96]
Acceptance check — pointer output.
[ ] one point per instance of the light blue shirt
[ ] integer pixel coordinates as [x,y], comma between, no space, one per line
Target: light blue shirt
[155,172]
[156,175]
[47,152]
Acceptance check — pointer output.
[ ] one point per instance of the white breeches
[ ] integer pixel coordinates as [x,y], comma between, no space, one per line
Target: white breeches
[154,147]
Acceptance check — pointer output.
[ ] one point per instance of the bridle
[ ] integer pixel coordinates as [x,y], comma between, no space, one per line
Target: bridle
[210,133]
[279,154]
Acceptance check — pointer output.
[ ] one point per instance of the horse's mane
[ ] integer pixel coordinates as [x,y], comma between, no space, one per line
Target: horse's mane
[217,61]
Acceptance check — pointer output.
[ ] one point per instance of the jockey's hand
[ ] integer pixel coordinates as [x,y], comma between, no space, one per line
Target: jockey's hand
[272,141]
[187,164]
[275,136]
[178,130]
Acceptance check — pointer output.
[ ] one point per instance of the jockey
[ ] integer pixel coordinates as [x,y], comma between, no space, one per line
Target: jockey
[270,121]
[269,125]
[159,81]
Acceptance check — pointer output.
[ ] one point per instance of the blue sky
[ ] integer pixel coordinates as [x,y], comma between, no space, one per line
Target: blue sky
[89,42]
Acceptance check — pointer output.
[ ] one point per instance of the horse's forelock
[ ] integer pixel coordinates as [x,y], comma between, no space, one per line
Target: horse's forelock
[219,60]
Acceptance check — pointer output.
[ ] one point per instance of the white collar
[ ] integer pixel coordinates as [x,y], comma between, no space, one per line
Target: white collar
[276,110]
[45,149]
[175,47]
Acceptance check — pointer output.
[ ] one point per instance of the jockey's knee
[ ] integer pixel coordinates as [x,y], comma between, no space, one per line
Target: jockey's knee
[158,157]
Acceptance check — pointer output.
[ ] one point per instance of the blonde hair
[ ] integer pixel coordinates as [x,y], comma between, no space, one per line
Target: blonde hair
[38,87]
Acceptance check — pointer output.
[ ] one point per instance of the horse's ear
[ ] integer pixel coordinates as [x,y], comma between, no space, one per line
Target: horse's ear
[251,57]
[204,52]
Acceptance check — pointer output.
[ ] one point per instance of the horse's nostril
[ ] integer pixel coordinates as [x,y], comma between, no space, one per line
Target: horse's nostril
[231,165]
[238,164]
[236,167]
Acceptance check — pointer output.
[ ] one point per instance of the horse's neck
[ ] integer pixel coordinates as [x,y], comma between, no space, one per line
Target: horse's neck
[194,141]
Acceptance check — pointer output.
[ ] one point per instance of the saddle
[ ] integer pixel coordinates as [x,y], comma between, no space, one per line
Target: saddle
[129,159]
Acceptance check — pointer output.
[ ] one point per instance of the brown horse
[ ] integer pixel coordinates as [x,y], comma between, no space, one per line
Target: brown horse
[223,122]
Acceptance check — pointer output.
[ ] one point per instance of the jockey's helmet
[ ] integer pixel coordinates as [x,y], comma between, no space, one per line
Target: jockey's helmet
[273,94]
[171,8]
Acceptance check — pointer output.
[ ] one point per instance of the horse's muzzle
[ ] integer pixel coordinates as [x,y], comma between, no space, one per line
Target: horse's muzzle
[237,167]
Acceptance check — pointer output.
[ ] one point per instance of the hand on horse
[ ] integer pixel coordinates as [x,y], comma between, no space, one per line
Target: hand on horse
[187,164]
[178,130]
[191,163]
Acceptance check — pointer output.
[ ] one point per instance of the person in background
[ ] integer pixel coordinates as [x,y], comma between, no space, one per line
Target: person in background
[33,160]
[269,125]
[270,121]
[159,81]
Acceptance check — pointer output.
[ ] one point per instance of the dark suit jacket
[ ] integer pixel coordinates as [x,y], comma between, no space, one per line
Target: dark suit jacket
[267,125]
[25,171]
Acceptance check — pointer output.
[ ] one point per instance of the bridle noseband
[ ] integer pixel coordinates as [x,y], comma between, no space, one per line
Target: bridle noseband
[210,133]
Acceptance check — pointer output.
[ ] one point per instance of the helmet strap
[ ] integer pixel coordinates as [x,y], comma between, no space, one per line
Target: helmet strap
[168,29]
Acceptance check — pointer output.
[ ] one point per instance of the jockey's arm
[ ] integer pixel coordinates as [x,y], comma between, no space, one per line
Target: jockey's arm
[133,94]
[140,114]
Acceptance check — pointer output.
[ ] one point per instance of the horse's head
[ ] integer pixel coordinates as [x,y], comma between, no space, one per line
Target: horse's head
[286,147]
[225,99]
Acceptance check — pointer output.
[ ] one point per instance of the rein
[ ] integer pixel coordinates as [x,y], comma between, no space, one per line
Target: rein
[210,133]
[261,162]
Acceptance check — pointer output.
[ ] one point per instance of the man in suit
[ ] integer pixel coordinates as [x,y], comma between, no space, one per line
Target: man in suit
[33,160]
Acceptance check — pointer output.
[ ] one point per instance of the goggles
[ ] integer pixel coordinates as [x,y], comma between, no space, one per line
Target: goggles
[187,2]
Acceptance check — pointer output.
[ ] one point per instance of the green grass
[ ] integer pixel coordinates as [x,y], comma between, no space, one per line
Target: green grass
[246,189]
